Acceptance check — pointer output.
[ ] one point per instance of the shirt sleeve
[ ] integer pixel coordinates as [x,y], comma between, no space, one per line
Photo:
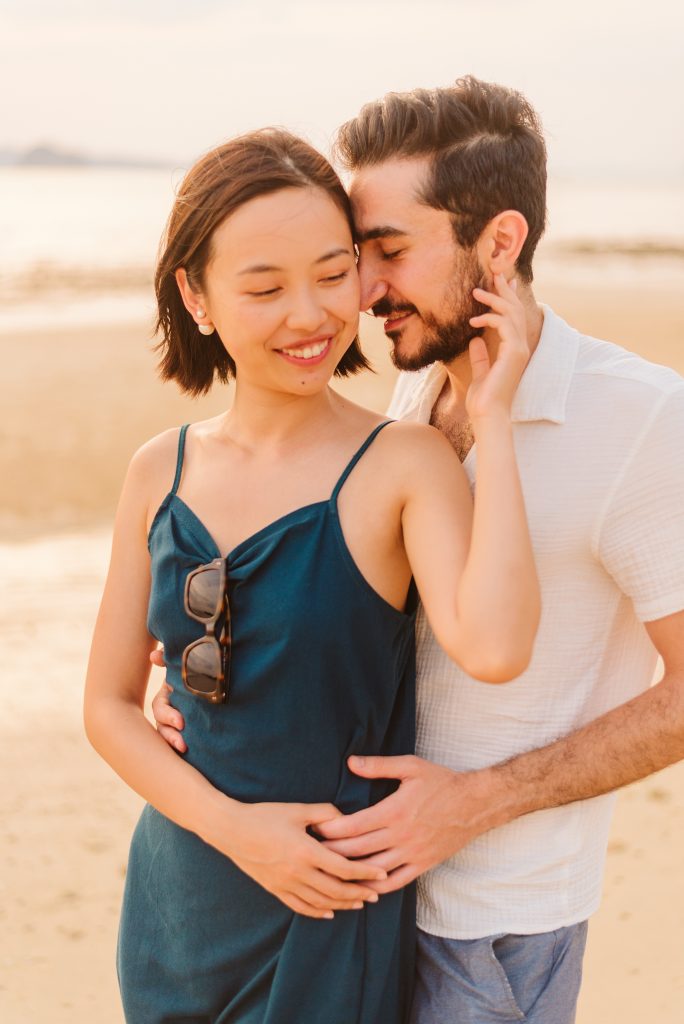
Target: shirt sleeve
[641,539]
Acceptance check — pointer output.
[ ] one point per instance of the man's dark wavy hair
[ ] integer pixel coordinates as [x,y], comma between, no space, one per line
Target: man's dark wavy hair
[486,148]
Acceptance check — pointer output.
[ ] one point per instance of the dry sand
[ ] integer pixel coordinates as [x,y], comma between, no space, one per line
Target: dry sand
[75,405]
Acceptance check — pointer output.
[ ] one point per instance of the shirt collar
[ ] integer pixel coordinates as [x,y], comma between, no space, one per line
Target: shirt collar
[543,389]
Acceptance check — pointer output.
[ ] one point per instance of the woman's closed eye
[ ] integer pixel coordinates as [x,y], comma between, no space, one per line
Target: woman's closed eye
[269,291]
[335,278]
[331,279]
[392,254]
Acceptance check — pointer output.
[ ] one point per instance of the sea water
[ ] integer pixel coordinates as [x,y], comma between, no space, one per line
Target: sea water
[79,244]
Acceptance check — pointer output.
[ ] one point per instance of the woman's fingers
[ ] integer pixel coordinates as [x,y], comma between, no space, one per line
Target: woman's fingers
[279,855]
[313,896]
[495,302]
[293,901]
[501,299]
[316,814]
[494,320]
[507,289]
[345,892]
[169,722]
[164,712]
[504,287]
[161,698]
[157,657]
[173,738]
[479,358]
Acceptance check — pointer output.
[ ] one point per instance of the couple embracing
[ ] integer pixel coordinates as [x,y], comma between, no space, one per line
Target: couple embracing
[311,567]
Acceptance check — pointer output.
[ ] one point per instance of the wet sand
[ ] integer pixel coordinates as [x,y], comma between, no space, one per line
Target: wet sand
[75,406]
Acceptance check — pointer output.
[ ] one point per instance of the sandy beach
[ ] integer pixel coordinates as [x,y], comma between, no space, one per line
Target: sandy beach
[76,403]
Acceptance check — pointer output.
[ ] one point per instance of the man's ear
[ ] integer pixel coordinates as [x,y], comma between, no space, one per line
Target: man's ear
[499,245]
[192,300]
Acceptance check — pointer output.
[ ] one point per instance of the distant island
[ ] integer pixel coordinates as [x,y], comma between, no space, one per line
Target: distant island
[46,155]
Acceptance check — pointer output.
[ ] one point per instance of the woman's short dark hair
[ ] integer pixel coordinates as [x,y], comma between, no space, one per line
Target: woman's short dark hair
[486,148]
[251,165]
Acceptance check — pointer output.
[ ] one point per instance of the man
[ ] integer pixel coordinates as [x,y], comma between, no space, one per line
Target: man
[506,823]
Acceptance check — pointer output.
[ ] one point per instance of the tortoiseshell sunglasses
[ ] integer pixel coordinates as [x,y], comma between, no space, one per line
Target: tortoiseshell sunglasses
[205,666]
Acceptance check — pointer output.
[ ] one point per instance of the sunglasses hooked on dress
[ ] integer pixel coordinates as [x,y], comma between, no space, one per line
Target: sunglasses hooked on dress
[205,665]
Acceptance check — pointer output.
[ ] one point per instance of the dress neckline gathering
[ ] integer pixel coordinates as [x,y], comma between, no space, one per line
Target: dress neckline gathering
[263,531]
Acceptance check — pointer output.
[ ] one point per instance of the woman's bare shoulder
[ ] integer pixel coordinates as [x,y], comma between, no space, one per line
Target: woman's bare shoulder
[151,472]
[410,456]
[157,457]
[417,440]
[397,432]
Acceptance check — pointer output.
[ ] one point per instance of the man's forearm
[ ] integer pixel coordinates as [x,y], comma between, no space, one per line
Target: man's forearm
[435,812]
[622,746]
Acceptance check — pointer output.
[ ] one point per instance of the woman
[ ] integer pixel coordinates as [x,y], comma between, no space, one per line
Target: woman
[277,571]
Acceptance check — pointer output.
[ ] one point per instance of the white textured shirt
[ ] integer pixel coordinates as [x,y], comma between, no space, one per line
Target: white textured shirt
[599,437]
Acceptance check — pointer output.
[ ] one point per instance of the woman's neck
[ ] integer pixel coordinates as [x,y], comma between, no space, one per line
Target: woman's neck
[270,419]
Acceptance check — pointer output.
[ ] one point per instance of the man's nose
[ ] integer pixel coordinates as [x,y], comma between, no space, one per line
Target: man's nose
[373,287]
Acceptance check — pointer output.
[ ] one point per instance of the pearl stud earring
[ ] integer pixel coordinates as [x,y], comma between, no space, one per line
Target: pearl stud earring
[205,329]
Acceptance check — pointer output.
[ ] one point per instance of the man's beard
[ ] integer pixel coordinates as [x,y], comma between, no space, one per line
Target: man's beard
[443,339]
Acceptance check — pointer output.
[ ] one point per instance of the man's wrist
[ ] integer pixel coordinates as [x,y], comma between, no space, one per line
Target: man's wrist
[515,795]
[484,799]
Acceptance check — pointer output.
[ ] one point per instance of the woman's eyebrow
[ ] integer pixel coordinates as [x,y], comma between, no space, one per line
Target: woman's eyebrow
[265,268]
[333,253]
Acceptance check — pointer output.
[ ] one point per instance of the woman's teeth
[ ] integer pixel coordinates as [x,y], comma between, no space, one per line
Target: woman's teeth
[310,352]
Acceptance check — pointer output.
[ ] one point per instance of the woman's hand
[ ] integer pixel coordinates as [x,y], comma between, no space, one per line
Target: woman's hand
[168,720]
[270,843]
[494,384]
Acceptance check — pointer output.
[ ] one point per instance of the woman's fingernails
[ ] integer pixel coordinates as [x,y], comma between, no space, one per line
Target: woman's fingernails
[373,898]
[329,915]
[358,905]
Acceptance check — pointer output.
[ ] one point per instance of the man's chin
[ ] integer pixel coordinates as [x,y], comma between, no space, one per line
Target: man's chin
[440,350]
[405,355]
[414,348]
[405,360]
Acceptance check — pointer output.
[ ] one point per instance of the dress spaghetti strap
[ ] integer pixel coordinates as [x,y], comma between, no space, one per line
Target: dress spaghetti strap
[179,459]
[355,458]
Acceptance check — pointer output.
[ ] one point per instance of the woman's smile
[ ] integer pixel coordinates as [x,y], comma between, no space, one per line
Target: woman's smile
[309,351]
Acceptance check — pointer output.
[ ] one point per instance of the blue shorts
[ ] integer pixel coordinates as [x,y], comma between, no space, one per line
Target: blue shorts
[501,979]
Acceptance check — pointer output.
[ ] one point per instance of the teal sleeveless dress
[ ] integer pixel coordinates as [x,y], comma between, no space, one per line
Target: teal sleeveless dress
[322,667]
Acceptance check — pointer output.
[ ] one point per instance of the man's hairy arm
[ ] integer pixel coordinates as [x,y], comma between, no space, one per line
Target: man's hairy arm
[435,811]
[626,744]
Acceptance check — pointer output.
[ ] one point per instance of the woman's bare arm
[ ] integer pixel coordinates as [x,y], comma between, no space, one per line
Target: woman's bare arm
[475,570]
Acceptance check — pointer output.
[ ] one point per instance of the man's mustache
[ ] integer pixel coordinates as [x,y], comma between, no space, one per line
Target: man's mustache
[385,308]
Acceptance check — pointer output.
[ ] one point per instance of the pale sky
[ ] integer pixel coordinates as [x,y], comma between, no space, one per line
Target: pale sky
[165,79]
